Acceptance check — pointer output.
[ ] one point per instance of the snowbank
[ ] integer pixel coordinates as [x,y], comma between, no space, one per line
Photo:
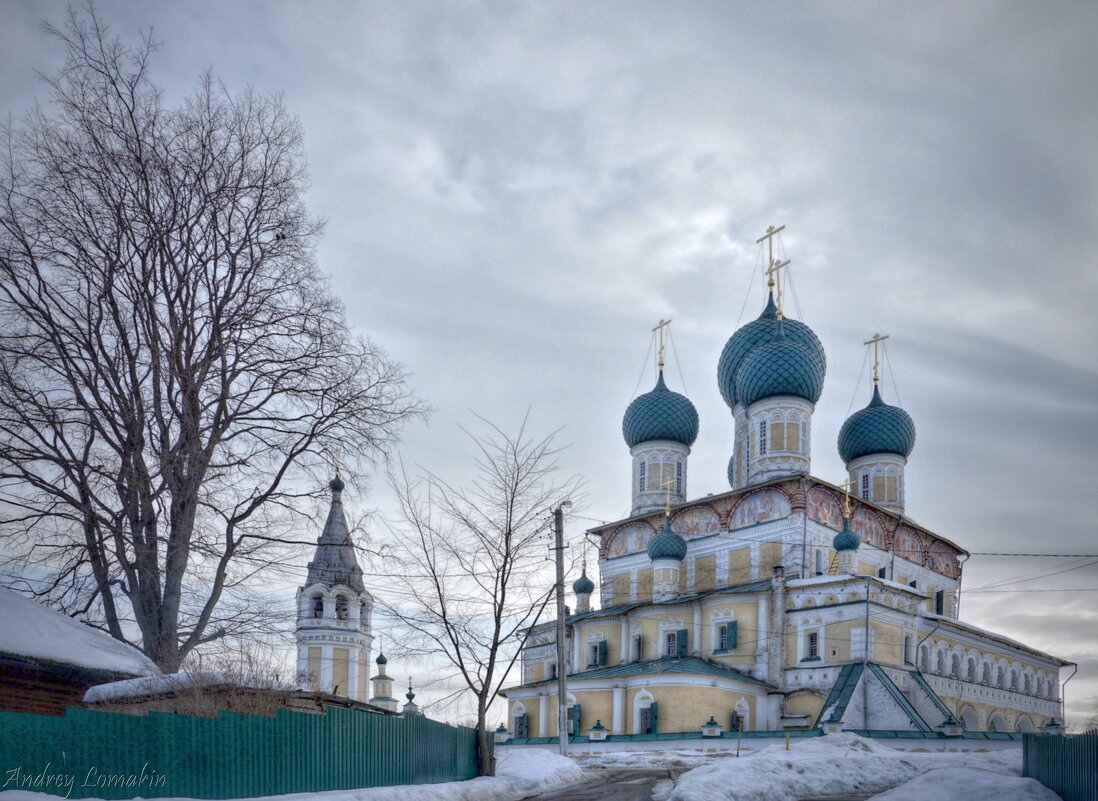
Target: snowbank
[519,773]
[31,630]
[836,764]
[969,783]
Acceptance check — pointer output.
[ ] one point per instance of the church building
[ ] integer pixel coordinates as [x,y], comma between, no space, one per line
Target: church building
[788,602]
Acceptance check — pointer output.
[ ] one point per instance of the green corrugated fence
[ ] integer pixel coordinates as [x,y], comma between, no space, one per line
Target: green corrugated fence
[94,754]
[1066,764]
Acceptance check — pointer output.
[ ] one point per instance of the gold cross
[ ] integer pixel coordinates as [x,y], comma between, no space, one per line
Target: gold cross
[660,326]
[668,484]
[846,499]
[876,343]
[772,275]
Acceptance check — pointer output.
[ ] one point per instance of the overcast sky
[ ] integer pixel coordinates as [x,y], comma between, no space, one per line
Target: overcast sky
[515,193]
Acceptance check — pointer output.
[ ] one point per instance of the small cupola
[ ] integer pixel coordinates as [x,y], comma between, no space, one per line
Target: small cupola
[666,550]
[583,587]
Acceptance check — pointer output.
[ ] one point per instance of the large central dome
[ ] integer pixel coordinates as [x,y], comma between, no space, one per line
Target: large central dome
[755,334]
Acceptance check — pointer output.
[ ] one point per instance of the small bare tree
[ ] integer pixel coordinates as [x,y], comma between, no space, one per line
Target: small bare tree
[172,363]
[471,563]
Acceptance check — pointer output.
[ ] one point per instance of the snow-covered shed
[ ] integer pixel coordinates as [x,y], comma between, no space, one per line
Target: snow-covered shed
[48,660]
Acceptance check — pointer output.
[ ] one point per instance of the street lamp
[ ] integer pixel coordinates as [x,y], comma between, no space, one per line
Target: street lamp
[562,670]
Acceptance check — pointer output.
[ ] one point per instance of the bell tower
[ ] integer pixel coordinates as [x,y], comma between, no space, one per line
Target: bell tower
[334,612]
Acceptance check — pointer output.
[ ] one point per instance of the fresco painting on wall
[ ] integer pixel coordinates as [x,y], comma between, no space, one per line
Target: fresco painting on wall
[909,545]
[630,539]
[758,507]
[698,521]
[823,507]
[869,526]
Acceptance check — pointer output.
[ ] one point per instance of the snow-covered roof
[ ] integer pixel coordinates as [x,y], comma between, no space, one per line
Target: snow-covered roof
[31,630]
[968,627]
[169,682]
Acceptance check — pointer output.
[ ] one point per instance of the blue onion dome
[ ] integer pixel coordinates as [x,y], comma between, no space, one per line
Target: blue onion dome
[336,484]
[583,585]
[760,332]
[846,540]
[381,660]
[667,544]
[660,414]
[878,428]
[781,367]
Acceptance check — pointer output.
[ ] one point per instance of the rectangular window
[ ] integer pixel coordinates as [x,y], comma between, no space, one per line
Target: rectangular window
[865,486]
[678,478]
[641,474]
[593,654]
[722,638]
[552,670]
[762,438]
[882,572]
[638,648]
[821,561]
[670,644]
[813,644]
[939,602]
[648,720]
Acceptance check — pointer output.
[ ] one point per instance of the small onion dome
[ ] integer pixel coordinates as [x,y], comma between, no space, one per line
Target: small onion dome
[381,660]
[583,584]
[760,332]
[781,367]
[731,472]
[846,540]
[336,484]
[410,695]
[667,544]
[878,428]
[660,414]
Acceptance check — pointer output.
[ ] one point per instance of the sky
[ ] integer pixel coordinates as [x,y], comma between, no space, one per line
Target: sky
[515,193]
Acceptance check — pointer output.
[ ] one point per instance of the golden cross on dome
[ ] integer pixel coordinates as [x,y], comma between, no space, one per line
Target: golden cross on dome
[661,326]
[876,343]
[773,267]
[668,484]
[846,498]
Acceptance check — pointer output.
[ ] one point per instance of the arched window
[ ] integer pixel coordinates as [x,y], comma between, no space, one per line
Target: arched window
[1000,677]
[996,723]
[924,658]
[318,605]
[1024,724]
[907,649]
[1014,680]
[941,662]
[986,678]
[1027,684]
[341,607]
[971,675]
[968,720]
[955,667]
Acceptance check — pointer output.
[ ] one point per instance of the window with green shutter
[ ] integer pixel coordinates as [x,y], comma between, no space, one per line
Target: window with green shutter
[682,643]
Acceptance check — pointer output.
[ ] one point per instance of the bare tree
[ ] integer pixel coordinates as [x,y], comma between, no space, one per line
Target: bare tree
[471,563]
[172,363]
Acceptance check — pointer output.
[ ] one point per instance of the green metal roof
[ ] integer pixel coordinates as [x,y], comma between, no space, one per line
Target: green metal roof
[840,693]
[938,702]
[899,697]
[654,667]
[610,611]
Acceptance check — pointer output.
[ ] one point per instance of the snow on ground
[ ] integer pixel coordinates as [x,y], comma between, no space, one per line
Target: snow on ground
[519,773]
[838,764]
[969,783]
[29,629]
[640,760]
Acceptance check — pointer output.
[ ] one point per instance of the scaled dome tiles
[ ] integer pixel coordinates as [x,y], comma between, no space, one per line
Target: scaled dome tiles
[755,334]
[660,414]
[782,367]
[667,544]
[878,428]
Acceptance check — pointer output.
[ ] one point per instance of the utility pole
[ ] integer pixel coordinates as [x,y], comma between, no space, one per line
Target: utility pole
[562,665]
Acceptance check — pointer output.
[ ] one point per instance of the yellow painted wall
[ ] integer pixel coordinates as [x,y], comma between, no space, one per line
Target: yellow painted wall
[363,675]
[594,705]
[537,671]
[314,668]
[341,658]
[705,572]
[770,554]
[621,588]
[739,566]
[746,615]
[805,705]
[644,584]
